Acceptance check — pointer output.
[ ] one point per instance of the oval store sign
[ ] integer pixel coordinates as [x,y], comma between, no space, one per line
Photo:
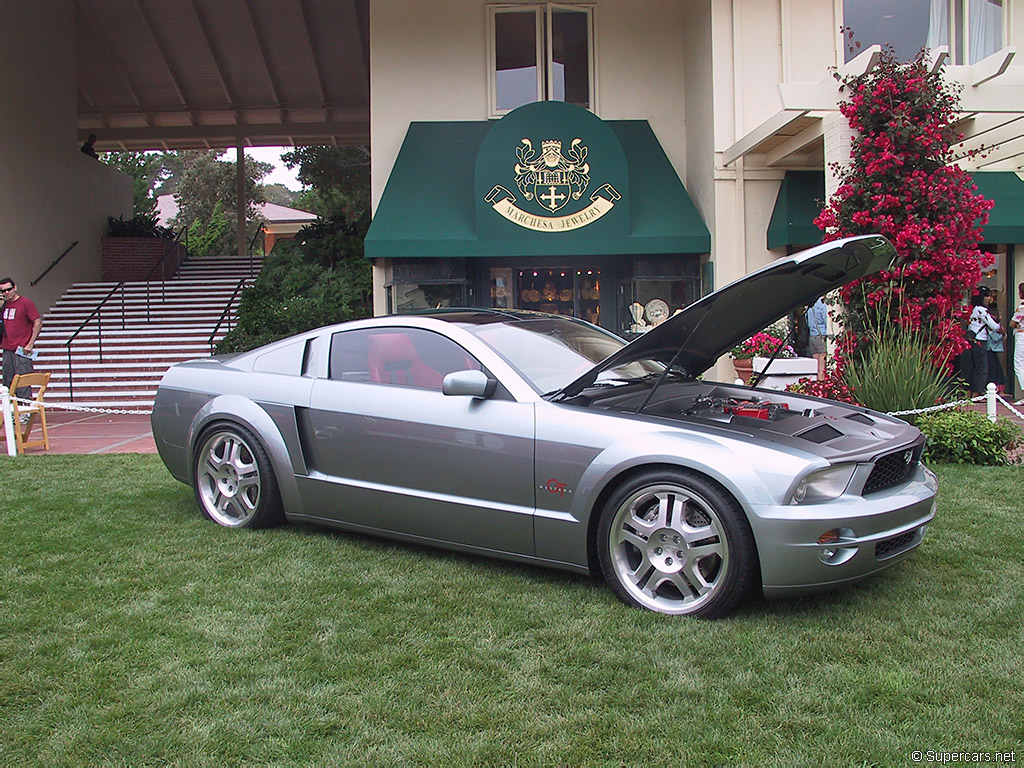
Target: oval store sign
[550,167]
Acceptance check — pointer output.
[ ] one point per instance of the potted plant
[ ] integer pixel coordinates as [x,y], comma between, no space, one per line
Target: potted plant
[761,344]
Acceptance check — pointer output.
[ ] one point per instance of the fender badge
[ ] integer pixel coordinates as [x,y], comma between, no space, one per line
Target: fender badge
[554,486]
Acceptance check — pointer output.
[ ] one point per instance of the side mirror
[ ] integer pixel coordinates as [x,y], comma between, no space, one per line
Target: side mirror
[472,383]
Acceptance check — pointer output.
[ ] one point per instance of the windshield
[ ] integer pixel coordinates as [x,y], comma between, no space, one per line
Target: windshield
[551,352]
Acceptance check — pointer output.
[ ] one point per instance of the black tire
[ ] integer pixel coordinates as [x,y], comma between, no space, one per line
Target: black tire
[675,542]
[233,481]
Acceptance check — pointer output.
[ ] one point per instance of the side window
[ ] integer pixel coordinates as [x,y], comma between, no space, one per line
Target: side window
[406,357]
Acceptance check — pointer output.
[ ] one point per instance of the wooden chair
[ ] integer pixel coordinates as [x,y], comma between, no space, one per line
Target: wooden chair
[21,431]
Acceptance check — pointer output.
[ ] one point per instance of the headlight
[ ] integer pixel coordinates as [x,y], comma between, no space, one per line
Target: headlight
[823,484]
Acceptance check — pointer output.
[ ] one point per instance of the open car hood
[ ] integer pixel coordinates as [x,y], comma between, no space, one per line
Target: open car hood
[709,328]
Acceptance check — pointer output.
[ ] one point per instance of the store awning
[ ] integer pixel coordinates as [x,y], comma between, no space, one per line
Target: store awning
[801,198]
[1006,219]
[430,208]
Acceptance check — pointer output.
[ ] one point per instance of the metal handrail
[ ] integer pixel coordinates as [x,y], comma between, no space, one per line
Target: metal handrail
[99,326]
[162,264]
[241,283]
[54,263]
[224,315]
[252,244]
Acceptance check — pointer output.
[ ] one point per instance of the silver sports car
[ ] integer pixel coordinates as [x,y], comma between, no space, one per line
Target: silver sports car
[547,440]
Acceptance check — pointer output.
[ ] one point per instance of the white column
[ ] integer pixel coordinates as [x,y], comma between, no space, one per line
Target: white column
[838,148]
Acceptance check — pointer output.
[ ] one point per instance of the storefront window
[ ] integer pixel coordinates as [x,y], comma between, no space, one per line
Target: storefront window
[427,284]
[972,29]
[573,292]
[659,287]
[541,52]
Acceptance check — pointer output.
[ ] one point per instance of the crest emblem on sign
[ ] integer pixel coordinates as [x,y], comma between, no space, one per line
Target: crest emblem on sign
[550,180]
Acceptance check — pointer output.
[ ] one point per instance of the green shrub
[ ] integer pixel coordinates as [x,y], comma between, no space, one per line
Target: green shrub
[967,437]
[322,278]
[139,225]
[893,370]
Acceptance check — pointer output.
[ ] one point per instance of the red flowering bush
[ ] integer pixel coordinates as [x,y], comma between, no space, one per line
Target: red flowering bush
[761,344]
[900,184]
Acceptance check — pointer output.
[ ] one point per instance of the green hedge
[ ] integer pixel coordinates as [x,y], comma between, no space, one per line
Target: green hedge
[967,437]
[305,283]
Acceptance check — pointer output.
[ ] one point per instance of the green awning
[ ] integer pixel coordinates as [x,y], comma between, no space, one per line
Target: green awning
[437,204]
[800,200]
[1006,220]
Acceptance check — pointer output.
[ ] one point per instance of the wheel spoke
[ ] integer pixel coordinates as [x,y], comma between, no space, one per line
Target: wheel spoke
[640,573]
[626,534]
[684,586]
[696,578]
[701,551]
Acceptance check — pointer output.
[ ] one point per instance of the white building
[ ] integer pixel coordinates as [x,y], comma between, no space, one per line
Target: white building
[704,126]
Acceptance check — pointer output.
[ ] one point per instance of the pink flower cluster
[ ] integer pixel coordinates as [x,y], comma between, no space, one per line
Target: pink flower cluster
[760,345]
[900,184]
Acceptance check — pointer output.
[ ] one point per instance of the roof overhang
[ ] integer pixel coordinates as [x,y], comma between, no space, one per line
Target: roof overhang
[992,116]
[187,74]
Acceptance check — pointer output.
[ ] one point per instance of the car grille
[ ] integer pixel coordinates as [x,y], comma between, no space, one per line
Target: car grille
[895,545]
[893,469]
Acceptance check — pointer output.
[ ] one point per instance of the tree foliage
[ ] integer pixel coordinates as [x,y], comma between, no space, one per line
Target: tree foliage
[146,170]
[207,200]
[337,180]
[321,278]
[901,183]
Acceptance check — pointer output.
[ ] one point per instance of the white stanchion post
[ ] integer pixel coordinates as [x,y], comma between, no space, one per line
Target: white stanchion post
[990,401]
[12,446]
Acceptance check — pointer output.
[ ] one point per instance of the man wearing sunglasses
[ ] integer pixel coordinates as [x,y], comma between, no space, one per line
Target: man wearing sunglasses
[21,322]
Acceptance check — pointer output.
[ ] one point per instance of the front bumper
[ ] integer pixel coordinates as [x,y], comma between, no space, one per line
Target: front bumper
[876,532]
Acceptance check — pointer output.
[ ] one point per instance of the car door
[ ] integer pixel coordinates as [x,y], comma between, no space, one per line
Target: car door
[387,450]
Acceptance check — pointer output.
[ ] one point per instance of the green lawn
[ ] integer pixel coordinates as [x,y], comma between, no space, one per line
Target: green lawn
[133,631]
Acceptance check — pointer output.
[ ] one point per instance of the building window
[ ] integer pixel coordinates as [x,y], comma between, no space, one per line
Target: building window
[971,29]
[541,52]
[418,284]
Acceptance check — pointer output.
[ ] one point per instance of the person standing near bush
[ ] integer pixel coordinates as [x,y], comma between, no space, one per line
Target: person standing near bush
[1017,324]
[978,327]
[22,323]
[817,329]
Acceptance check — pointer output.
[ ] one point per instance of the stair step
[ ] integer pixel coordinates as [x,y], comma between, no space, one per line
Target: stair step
[145,327]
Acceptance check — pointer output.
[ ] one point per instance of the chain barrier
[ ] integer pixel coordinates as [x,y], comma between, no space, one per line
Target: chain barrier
[83,408]
[933,408]
[946,406]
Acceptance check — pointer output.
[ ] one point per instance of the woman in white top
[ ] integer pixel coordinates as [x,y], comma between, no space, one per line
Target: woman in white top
[980,324]
[1017,324]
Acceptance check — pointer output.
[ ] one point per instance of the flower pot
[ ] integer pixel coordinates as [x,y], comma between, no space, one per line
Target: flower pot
[744,369]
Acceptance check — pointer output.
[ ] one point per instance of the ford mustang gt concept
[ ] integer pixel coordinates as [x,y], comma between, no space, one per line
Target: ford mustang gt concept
[547,440]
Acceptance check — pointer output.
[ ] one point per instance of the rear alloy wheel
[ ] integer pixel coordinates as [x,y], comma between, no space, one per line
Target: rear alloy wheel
[675,542]
[234,482]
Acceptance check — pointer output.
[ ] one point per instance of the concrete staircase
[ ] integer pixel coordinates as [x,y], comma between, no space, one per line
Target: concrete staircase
[176,326]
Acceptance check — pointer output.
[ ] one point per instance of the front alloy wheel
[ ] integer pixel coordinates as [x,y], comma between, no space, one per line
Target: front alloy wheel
[234,482]
[676,543]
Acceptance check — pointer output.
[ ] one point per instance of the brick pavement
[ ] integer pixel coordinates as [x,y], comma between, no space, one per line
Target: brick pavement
[81,433]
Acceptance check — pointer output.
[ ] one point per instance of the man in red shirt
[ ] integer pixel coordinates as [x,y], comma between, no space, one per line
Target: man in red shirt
[21,328]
